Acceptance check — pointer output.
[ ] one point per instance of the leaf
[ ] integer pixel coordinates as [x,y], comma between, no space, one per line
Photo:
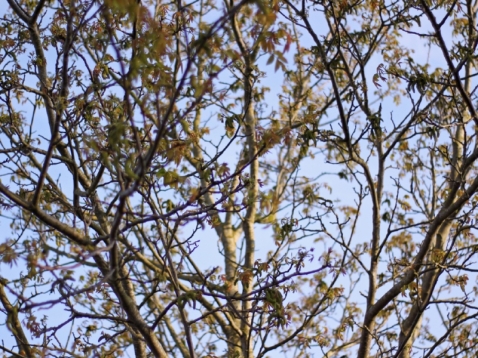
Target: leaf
[287,43]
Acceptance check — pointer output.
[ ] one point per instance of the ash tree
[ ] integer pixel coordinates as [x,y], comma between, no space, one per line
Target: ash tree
[253,178]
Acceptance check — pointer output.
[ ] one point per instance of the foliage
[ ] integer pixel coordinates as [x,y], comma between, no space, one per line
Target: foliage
[329,148]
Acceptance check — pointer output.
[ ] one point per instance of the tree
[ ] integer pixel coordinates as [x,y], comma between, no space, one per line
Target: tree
[329,148]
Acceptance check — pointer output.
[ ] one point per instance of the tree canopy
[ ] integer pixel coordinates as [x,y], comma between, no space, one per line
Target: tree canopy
[241,179]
